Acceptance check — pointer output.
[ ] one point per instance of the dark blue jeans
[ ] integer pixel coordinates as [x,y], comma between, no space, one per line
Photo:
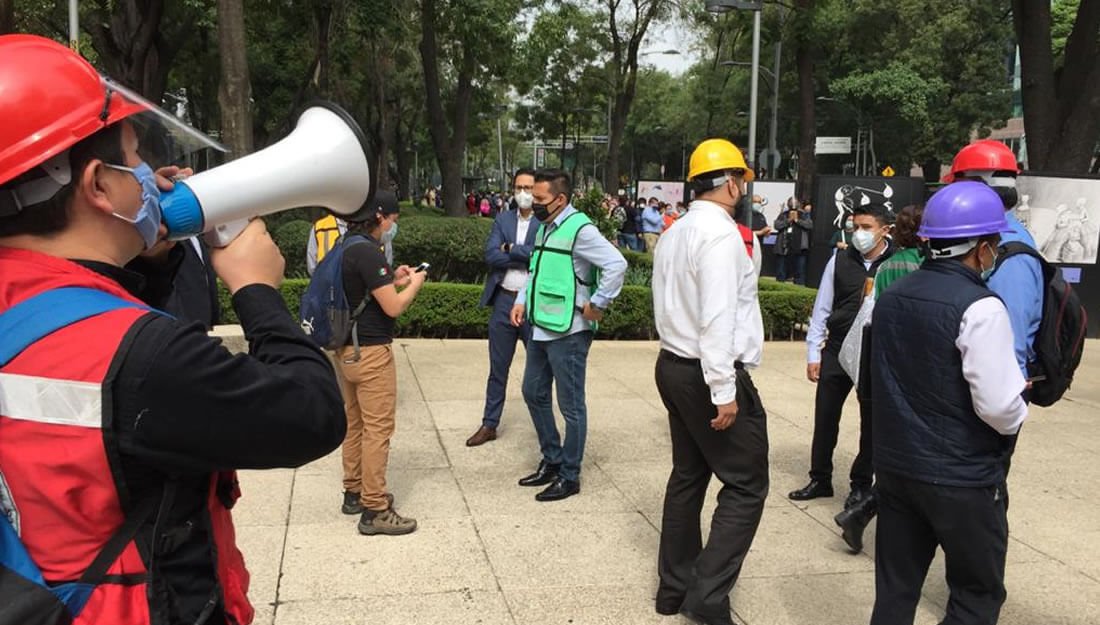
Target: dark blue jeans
[502,348]
[630,241]
[563,361]
[793,263]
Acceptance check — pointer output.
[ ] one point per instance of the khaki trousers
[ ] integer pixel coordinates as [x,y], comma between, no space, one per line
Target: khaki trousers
[650,241]
[369,387]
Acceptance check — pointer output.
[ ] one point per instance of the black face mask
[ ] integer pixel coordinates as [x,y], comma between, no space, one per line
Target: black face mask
[541,211]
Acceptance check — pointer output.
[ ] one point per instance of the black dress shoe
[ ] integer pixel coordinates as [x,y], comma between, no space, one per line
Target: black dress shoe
[813,490]
[560,489]
[668,603]
[858,494]
[854,521]
[696,617]
[542,476]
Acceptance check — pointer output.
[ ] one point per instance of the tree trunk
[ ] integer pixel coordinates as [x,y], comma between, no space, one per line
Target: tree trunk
[401,158]
[131,46]
[322,11]
[447,140]
[807,134]
[235,91]
[7,16]
[624,64]
[1059,108]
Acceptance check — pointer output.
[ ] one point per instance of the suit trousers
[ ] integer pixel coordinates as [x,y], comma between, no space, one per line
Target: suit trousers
[970,524]
[693,576]
[502,349]
[833,388]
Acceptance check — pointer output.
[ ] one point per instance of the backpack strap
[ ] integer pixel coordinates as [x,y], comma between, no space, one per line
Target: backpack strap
[1015,248]
[39,316]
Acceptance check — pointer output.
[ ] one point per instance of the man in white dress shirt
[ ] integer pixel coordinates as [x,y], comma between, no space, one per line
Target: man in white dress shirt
[708,317]
[948,400]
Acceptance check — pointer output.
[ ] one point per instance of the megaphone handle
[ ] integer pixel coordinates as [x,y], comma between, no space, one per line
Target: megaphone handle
[224,234]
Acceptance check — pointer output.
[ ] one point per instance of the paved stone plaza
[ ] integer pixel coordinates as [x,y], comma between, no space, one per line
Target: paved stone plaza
[486,552]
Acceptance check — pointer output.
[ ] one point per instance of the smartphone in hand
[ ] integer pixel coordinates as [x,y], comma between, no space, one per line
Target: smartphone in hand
[422,267]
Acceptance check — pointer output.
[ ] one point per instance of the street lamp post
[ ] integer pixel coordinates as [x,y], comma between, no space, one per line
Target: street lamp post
[756,6]
[771,162]
[864,149]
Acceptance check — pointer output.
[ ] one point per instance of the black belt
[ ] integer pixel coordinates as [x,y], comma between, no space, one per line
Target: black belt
[512,293]
[669,356]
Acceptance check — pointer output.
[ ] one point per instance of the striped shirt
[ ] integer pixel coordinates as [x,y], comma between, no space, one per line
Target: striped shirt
[901,263]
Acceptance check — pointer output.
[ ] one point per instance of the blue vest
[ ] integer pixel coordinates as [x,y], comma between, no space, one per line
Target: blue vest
[925,427]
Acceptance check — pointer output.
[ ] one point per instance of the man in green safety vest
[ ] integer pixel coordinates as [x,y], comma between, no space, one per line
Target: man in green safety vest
[574,276]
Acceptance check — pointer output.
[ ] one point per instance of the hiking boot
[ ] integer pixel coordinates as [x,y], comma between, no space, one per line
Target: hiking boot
[352,505]
[387,522]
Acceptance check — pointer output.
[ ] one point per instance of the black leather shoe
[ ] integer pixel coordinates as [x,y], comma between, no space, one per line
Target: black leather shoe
[542,476]
[813,490]
[858,494]
[696,617]
[560,489]
[668,604]
[854,521]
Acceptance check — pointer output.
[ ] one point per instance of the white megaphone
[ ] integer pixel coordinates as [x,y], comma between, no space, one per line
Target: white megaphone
[323,162]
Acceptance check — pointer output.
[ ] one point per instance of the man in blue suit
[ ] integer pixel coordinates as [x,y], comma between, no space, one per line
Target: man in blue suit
[507,251]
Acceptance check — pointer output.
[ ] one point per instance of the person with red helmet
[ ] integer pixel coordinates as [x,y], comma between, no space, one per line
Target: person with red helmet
[122,426]
[1018,279]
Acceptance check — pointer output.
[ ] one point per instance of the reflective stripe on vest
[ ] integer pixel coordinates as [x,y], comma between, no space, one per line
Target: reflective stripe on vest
[326,231]
[552,294]
[47,400]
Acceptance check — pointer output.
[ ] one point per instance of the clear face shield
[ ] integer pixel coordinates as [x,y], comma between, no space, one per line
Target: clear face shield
[163,138]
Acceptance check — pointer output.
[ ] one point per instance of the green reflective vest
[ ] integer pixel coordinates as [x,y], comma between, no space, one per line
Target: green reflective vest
[552,293]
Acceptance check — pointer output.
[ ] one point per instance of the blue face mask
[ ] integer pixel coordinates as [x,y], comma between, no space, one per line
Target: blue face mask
[148,218]
[391,234]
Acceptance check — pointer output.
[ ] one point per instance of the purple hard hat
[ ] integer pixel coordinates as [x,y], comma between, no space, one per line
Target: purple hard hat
[963,210]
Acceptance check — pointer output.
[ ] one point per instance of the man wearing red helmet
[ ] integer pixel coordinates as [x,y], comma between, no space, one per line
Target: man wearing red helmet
[1018,280]
[122,426]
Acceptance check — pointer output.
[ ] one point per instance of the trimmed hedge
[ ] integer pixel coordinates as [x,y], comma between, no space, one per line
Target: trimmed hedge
[448,310]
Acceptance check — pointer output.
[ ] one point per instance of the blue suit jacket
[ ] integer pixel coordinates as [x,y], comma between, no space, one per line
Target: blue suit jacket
[518,257]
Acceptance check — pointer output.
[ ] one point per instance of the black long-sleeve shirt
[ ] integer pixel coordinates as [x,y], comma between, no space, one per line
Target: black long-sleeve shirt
[183,407]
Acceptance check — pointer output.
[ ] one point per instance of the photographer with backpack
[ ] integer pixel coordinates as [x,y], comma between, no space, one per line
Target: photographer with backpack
[365,364]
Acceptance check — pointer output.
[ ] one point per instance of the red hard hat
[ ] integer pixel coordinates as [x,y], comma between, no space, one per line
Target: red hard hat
[50,98]
[984,155]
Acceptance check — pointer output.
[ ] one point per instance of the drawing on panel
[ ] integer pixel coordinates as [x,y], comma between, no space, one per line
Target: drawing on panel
[1063,214]
[849,196]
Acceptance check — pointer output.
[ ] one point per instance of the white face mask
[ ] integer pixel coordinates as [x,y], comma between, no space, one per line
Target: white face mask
[864,241]
[524,199]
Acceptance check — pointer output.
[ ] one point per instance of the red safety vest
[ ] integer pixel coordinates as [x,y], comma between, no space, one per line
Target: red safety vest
[55,454]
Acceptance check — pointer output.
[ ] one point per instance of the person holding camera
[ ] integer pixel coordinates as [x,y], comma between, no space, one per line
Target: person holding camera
[793,228]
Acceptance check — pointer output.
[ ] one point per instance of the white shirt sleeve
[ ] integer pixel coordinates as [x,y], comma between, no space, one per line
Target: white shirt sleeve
[989,365]
[719,283]
[823,307]
[311,251]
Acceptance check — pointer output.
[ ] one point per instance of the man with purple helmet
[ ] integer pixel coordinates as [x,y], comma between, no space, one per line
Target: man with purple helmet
[947,403]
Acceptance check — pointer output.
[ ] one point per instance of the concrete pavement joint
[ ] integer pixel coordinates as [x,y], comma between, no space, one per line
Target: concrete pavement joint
[461,490]
[282,551]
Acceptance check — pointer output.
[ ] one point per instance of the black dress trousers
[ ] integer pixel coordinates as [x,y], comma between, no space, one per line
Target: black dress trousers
[833,388]
[970,524]
[693,576]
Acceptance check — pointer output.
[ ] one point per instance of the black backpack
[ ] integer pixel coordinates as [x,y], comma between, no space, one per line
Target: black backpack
[1061,337]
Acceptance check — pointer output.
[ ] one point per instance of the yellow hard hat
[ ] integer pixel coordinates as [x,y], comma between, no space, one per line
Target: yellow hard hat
[717,155]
